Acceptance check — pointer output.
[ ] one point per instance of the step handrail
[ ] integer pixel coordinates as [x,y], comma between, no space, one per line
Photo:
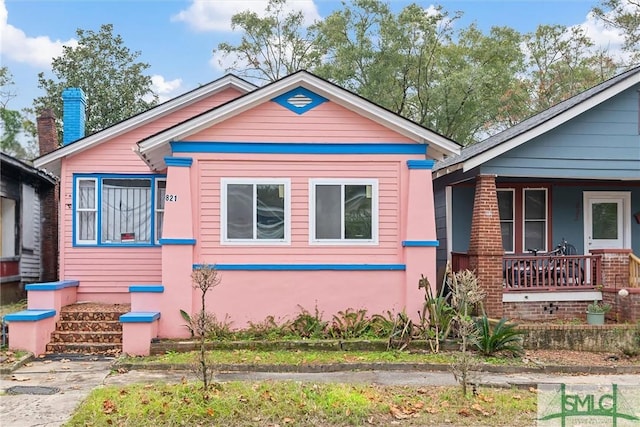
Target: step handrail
[634,271]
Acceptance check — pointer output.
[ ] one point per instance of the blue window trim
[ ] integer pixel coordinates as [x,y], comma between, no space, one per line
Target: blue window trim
[306,267]
[99,177]
[297,148]
[283,100]
[420,243]
[420,164]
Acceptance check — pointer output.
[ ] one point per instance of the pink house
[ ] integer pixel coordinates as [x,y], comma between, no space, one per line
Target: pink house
[301,193]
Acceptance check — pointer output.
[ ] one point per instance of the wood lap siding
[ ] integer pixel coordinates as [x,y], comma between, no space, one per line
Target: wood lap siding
[30,268]
[271,122]
[299,250]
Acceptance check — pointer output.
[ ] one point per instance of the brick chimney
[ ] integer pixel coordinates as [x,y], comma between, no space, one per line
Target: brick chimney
[73,115]
[47,133]
[49,197]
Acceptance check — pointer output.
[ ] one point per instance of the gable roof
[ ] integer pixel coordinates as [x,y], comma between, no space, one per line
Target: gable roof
[154,148]
[51,161]
[492,147]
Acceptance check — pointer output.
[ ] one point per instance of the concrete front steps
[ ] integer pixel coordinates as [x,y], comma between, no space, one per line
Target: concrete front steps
[88,328]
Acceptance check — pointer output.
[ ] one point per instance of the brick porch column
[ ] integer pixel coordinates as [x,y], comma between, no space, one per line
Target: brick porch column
[485,245]
[614,275]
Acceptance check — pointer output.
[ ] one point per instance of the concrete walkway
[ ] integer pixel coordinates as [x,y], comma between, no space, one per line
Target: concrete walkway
[70,380]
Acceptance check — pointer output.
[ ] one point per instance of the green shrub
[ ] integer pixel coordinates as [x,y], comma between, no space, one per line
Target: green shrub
[307,325]
[349,324]
[503,337]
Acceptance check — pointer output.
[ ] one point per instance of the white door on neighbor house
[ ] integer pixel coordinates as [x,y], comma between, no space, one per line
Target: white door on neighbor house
[607,220]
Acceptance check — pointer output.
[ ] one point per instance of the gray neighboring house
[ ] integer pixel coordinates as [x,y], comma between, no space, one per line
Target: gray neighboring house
[22,190]
[552,171]
[571,172]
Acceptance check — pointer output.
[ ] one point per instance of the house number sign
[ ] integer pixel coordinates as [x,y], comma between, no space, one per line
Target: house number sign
[171,198]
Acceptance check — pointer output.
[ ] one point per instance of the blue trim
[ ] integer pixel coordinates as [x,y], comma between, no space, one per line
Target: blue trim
[420,164]
[29,315]
[420,243]
[183,162]
[52,286]
[307,267]
[315,99]
[99,177]
[147,288]
[178,242]
[296,148]
[140,317]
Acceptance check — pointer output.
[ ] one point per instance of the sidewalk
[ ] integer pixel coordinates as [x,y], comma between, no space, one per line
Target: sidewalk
[69,380]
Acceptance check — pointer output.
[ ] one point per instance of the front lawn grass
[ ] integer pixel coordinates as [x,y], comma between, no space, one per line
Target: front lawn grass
[309,357]
[291,403]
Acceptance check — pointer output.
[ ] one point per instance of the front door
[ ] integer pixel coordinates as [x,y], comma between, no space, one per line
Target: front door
[607,220]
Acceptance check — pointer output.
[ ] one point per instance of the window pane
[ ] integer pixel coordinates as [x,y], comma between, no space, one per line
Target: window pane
[161,192]
[86,226]
[126,210]
[605,220]
[328,212]
[87,193]
[505,205]
[270,211]
[535,235]
[507,236]
[534,204]
[357,212]
[240,211]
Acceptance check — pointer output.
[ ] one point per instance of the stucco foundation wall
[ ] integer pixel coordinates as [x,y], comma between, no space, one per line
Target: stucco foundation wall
[251,296]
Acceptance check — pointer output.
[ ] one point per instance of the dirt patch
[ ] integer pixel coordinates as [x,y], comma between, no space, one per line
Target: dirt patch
[580,358]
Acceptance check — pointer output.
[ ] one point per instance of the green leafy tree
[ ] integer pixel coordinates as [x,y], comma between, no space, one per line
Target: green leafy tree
[271,47]
[106,70]
[625,16]
[17,133]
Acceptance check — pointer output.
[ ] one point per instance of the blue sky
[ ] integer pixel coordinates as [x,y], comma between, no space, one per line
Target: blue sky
[176,37]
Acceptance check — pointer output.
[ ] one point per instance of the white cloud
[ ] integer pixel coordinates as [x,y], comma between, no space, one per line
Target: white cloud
[207,15]
[166,89]
[35,51]
[608,39]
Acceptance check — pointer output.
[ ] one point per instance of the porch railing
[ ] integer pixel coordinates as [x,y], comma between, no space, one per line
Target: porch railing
[556,272]
[546,273]
[634,271]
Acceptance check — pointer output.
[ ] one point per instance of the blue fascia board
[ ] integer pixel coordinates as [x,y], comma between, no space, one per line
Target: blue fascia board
[307,267]
[184,162]
[147,288]
[421,243]
[297,148]
[178,242]
[140,317]
[52,286]
[420,164]
[29,315]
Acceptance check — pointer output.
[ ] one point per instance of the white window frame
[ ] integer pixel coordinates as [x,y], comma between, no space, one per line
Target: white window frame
[158,232]
[78,210]
[225,182]
[342,182]
[525,220]
[513,216]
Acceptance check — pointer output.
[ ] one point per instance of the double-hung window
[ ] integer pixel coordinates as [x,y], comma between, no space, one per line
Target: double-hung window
[255,210]
[118,210]
[535,219]
[523,218]
[343,210]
